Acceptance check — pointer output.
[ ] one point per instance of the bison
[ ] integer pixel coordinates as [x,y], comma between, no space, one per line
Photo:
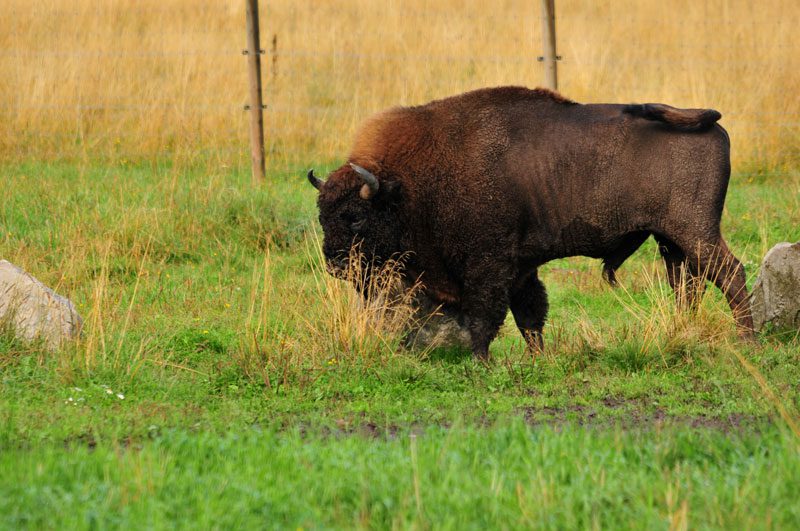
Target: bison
[478,190]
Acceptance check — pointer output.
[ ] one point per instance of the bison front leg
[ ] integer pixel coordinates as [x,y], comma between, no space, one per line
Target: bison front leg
[529,307]
[483,328]
[485,304]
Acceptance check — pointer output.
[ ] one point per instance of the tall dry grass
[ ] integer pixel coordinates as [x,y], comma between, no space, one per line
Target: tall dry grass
[345,331]
[144,79]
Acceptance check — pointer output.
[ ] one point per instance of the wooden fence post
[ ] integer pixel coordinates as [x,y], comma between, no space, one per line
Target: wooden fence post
[549,44]
[256,106]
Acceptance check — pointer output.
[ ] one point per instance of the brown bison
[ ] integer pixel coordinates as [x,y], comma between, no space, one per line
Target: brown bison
[480,189]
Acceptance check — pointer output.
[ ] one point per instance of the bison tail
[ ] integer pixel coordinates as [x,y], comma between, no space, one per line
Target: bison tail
[680,119]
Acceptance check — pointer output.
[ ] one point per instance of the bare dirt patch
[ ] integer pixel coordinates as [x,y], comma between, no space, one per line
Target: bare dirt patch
[636,415]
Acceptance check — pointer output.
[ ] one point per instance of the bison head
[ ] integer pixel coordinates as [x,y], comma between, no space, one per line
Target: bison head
[358,210]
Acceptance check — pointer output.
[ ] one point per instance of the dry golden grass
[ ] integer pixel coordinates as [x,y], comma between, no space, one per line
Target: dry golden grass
[344,331]
[654,331]
[166,78]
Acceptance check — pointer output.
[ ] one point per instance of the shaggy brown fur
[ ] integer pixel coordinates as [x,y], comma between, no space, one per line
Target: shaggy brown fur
[482,188]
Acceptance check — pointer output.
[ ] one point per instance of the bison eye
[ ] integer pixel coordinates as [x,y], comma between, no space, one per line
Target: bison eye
[358,225]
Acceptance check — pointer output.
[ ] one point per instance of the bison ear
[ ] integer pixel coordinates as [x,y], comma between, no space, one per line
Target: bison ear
[365,193]
[388,190]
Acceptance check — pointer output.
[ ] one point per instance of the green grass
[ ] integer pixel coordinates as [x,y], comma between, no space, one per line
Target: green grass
[511,476]
[250,399]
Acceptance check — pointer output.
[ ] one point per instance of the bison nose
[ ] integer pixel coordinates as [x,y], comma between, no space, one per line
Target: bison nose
[333,256]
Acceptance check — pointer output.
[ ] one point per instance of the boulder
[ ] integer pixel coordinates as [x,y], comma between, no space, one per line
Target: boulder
[422,322]
[34,311]
[776,294]
[435,326]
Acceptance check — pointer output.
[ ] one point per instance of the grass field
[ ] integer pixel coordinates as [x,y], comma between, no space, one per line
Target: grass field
[223,380]
[252,396]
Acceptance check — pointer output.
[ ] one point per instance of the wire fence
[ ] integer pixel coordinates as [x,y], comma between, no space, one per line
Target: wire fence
[161,78]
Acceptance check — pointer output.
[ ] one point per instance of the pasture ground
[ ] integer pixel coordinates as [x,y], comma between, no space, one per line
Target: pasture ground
[221,381]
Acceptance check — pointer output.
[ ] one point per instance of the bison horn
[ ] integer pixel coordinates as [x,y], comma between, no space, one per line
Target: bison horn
[315,181]
[369,180]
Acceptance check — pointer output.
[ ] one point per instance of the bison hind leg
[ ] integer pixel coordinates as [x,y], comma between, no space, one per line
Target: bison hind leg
[712,260]
[691,260]
[682,274]
[609,274]
[623,249]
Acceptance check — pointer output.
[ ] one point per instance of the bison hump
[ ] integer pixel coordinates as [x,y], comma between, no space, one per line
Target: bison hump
[680,119]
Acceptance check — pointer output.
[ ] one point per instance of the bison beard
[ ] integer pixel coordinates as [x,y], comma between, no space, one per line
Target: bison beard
[480,189]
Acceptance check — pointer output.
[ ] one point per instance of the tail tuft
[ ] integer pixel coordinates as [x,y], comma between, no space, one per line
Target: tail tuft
[680,119]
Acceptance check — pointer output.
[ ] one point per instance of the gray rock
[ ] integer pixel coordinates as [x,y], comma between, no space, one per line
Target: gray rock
[423,323]
[436,327]
[776,294]
[34,311]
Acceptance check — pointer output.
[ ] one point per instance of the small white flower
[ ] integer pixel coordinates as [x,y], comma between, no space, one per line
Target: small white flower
[69,399]
[120,396]
[109,392]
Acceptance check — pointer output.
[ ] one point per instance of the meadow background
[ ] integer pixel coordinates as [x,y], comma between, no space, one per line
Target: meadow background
[149,79]
[224,380]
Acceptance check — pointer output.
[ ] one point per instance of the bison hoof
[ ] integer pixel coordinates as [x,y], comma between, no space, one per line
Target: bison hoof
[482,356]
